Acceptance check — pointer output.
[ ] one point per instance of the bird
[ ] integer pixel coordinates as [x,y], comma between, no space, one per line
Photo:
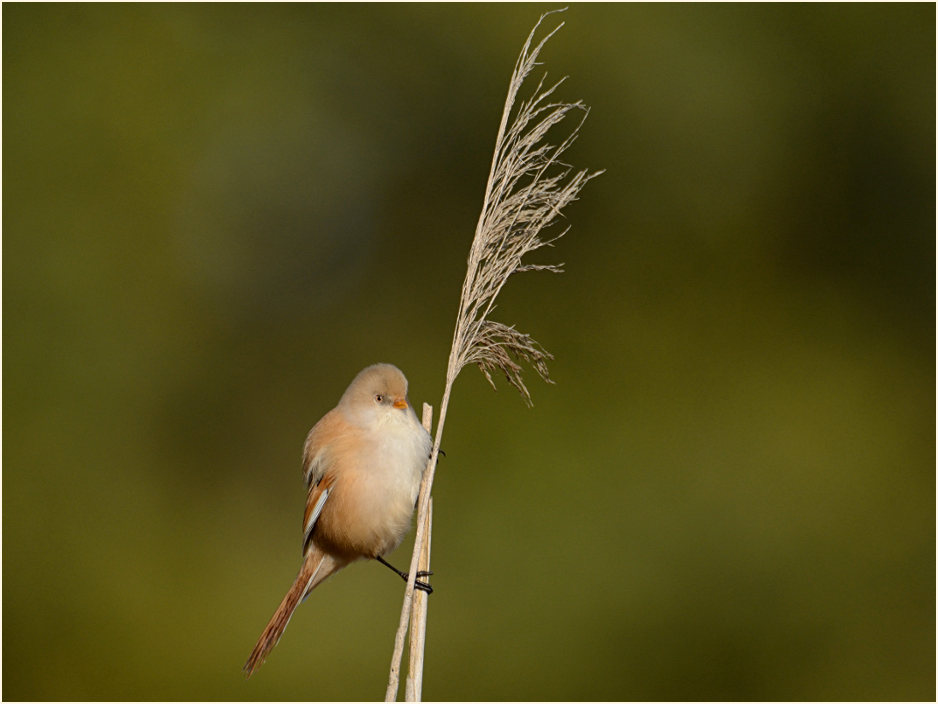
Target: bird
[363,463]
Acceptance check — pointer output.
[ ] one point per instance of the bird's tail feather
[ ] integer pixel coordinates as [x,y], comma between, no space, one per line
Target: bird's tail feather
[316,567]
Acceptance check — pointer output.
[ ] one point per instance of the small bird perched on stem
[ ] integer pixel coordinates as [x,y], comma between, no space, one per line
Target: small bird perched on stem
[363,463]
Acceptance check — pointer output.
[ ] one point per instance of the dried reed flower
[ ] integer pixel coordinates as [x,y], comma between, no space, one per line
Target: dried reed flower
[528,187]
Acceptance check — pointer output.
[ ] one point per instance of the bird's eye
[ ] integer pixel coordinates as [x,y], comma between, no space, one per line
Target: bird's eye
[379,398]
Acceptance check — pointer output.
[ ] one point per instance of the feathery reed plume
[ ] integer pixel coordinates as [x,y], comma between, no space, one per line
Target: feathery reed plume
[528,187]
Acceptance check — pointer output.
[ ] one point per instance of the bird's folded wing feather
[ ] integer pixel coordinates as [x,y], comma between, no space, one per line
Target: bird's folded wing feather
[315,500]
[314,452]
[316,470]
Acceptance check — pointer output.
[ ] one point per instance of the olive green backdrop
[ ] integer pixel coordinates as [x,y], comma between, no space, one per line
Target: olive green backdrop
[215,215]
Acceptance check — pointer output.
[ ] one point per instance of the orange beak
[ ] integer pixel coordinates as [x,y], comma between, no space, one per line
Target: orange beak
[400,403]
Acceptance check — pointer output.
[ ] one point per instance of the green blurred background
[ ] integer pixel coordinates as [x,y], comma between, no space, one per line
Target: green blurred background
[215,215]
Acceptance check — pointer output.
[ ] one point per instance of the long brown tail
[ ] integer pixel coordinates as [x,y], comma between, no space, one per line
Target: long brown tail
[316,567]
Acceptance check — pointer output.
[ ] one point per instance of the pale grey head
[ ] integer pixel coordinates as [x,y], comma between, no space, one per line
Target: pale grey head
[378,389]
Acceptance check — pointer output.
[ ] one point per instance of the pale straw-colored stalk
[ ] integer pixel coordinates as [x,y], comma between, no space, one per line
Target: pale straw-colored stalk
[528,187]
[413,685]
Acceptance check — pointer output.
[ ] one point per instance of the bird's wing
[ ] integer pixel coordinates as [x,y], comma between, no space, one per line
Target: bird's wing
[314,451]
[315,500]
[318,469]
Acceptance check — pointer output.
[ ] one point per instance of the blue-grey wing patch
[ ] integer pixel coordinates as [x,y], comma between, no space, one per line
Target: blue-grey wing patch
[313,511]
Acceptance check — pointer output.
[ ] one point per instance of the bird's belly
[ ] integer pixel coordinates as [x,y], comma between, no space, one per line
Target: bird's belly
[369,510]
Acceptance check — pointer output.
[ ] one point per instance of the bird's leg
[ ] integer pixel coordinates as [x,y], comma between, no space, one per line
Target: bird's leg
[404,575]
